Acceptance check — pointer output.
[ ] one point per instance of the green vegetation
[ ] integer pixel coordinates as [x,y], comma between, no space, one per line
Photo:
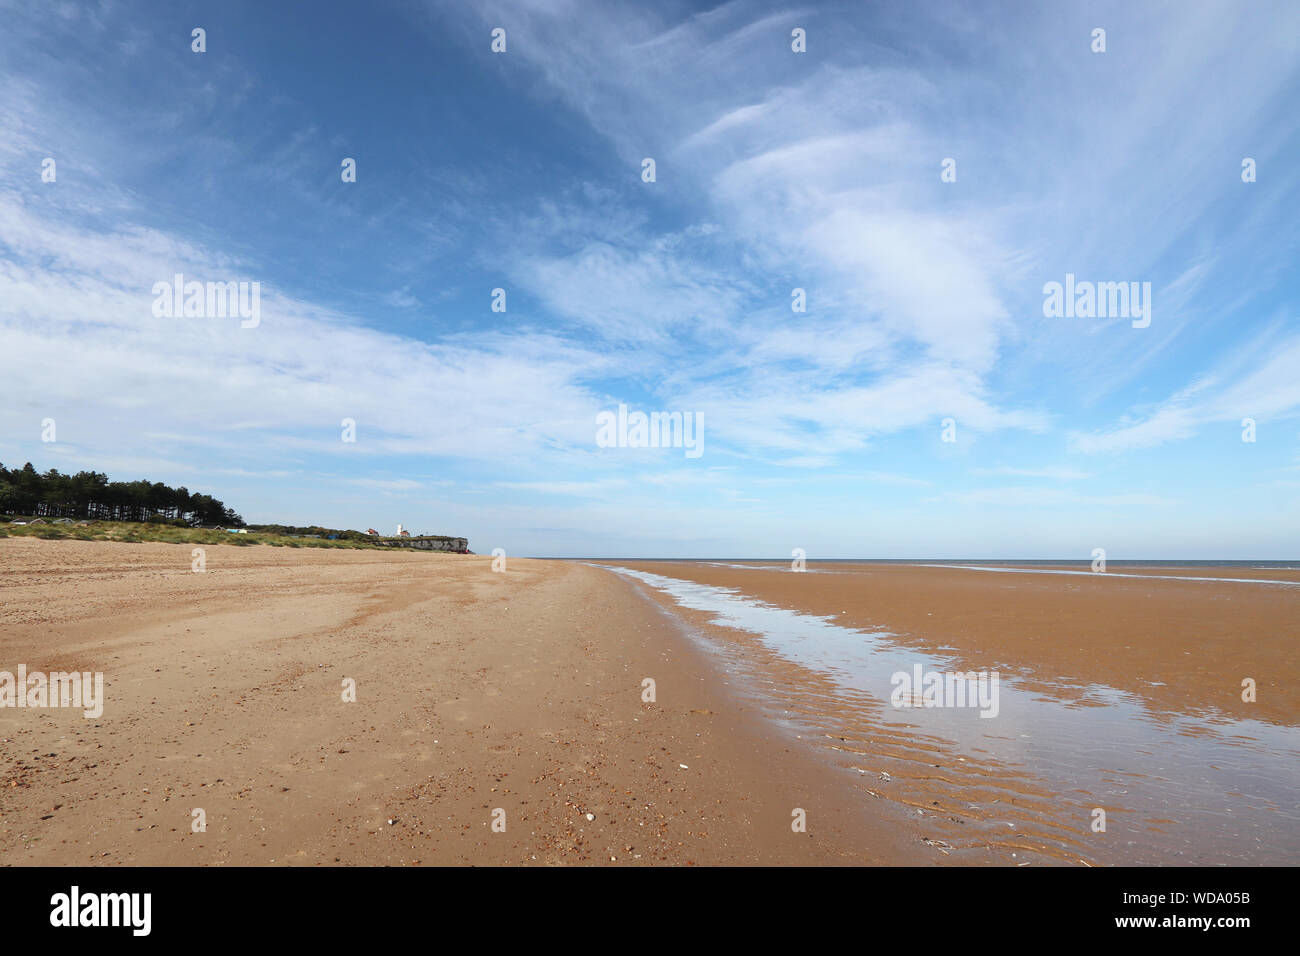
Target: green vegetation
[89,507]
[131,532]
[90,495]
[316,530]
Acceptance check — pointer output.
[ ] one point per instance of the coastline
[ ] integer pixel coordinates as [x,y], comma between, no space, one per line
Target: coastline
[521,691]
[1063,631]
[1119,693]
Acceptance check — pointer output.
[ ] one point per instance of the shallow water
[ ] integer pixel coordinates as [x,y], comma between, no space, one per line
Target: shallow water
[1179,789]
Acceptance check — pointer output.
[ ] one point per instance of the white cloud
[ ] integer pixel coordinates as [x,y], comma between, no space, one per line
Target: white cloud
[77,309]
[1263,386]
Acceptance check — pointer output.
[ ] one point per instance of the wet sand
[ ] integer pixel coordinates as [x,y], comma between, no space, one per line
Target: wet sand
[1180,646]
[476,691]
[1126,691]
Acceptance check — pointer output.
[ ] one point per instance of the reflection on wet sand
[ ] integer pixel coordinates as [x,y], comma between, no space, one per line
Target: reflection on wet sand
[1179,785]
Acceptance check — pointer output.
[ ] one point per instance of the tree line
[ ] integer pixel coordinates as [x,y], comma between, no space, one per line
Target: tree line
[90,495]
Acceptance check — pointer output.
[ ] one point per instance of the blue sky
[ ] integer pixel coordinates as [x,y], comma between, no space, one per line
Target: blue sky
[775,170]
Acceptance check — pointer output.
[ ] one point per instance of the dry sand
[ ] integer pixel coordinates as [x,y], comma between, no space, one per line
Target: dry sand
[475,691]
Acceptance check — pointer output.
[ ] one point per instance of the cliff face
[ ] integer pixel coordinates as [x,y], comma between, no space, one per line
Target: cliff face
[427,542]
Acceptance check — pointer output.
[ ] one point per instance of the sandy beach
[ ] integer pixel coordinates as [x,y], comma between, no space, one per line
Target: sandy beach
[476,691]
[521,692]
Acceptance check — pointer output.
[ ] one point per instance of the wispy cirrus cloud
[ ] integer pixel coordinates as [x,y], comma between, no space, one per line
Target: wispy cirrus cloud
[776,171]
[1259,383]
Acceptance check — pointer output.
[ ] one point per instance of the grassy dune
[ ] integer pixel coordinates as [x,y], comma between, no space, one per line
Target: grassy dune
[130,532]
